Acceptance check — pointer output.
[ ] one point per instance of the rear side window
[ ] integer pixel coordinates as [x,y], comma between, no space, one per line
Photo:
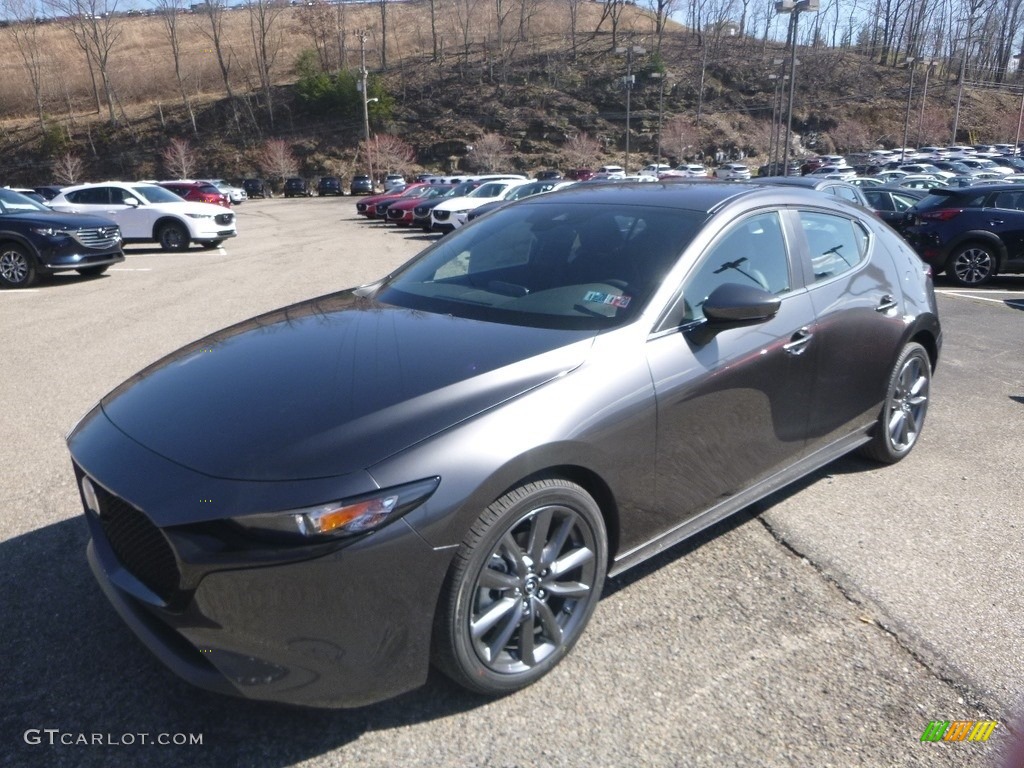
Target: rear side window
[939,199]
[1014,200]
[836,244]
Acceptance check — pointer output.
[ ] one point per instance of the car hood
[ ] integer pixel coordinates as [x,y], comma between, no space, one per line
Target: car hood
[62,219]
[330,386]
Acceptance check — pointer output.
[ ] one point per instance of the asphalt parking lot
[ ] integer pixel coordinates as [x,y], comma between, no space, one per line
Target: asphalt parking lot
[826,626]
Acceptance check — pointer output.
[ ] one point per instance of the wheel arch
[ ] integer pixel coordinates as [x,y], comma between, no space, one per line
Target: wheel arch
[18,239]
[166,219]
[981,236]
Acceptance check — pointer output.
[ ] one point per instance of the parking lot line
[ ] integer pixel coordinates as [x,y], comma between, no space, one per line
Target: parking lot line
[987,297]
[19,291]
[131,269]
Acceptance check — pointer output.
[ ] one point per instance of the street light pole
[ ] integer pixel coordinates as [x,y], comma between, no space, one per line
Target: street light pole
[928,64]
[963,74]
[906,119]
[794,8]
[362,35]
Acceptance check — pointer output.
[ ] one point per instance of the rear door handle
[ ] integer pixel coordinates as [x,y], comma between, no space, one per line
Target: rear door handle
[886,304]
[798,342]
[995,222]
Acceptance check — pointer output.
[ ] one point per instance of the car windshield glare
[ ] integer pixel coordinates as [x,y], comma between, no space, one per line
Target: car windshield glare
[154,194]
[15,202]
[565,266]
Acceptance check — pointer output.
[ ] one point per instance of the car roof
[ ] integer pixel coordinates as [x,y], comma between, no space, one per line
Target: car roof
[686,194]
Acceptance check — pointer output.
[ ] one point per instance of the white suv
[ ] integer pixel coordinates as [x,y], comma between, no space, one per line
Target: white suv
[452,214]
[732,171]
[147,213]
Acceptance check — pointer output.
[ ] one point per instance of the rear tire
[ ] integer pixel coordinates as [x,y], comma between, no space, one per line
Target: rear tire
[972,264]
[906,404]
[522,587]
[17,267]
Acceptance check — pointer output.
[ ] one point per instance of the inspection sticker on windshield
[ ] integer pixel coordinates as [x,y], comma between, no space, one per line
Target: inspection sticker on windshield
[607,298]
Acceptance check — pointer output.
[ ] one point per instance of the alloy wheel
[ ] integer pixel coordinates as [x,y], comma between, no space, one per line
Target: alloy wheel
[532,593]
[973,265]
[14,267]
[908,404]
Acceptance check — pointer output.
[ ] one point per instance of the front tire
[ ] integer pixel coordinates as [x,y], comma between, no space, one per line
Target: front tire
[972,265]
[173,237]
[17,267]
[522,587]
[906,404]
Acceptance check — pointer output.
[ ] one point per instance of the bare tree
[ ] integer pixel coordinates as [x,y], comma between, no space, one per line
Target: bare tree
[171,12]
[390,152]
[266,44]
[276,159]
[213,29]
[319,22]
[67,169]
[612,11]
[489,152]
[851,135]
[581,151]
[96,25]
[383,6]
[25,33]
[663,9]
[574,22]
[179,158]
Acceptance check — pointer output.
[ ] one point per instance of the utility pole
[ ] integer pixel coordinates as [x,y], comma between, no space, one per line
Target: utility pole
[362,35]
[928,64]
[906,120]
[629,80]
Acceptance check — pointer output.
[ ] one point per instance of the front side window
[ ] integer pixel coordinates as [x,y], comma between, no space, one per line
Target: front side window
[836,244]
[752,252]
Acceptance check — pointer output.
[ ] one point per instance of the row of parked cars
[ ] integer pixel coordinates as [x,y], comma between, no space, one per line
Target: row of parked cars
[82,228]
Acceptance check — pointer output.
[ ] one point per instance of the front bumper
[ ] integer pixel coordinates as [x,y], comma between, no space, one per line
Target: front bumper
[61,260]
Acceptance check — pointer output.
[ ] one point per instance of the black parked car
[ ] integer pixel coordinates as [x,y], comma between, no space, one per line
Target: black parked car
[35,240]
[970,233]
[892,203]
[446,464]
[361,185]
[329,185]
[297,187]
[257,188]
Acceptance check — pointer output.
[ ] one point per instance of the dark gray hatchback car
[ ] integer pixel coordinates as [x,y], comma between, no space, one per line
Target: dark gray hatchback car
[445,465]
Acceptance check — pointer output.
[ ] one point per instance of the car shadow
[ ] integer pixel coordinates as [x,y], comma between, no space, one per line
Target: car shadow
[71,664]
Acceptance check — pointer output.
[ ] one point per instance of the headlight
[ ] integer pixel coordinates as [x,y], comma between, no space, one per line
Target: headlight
[339,519]
[52,231]
[200,215]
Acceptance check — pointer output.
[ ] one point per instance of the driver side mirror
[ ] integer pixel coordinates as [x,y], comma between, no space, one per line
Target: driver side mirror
[132,202]
[732,306]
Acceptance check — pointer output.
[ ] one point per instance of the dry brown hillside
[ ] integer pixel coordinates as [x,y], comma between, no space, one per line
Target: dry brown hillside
[540,89]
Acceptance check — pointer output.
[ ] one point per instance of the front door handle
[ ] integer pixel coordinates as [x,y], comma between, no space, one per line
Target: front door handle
[798,342]
[887,304]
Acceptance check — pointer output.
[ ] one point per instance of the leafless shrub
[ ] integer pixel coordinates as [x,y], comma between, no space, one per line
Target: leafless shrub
[581,151]
[179,159]
[851,135]
[390,153]
[67,169]
[276,159]
[679,137]
[490,152]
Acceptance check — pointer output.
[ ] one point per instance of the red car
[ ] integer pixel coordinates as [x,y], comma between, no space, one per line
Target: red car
[368,205]
[197,192]
[400,211]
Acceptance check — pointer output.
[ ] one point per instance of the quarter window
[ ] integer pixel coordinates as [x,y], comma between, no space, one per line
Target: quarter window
[836,244]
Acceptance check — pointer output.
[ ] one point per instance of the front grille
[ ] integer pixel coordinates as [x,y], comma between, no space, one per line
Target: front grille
[360,207]
[421,211]
[441,215]
[395,213]
[140,546]
[225,218]
[98,237]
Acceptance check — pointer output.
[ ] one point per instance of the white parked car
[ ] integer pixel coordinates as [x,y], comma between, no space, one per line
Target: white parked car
[393,181]
[732,171]
[655,169]
[687,171]
[834,172]
[610,172]
[235,194]
[147,213]
[451,214]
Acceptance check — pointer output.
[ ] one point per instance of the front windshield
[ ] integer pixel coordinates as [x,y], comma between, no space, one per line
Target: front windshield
[15,202]
[569,266]
[154,194]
